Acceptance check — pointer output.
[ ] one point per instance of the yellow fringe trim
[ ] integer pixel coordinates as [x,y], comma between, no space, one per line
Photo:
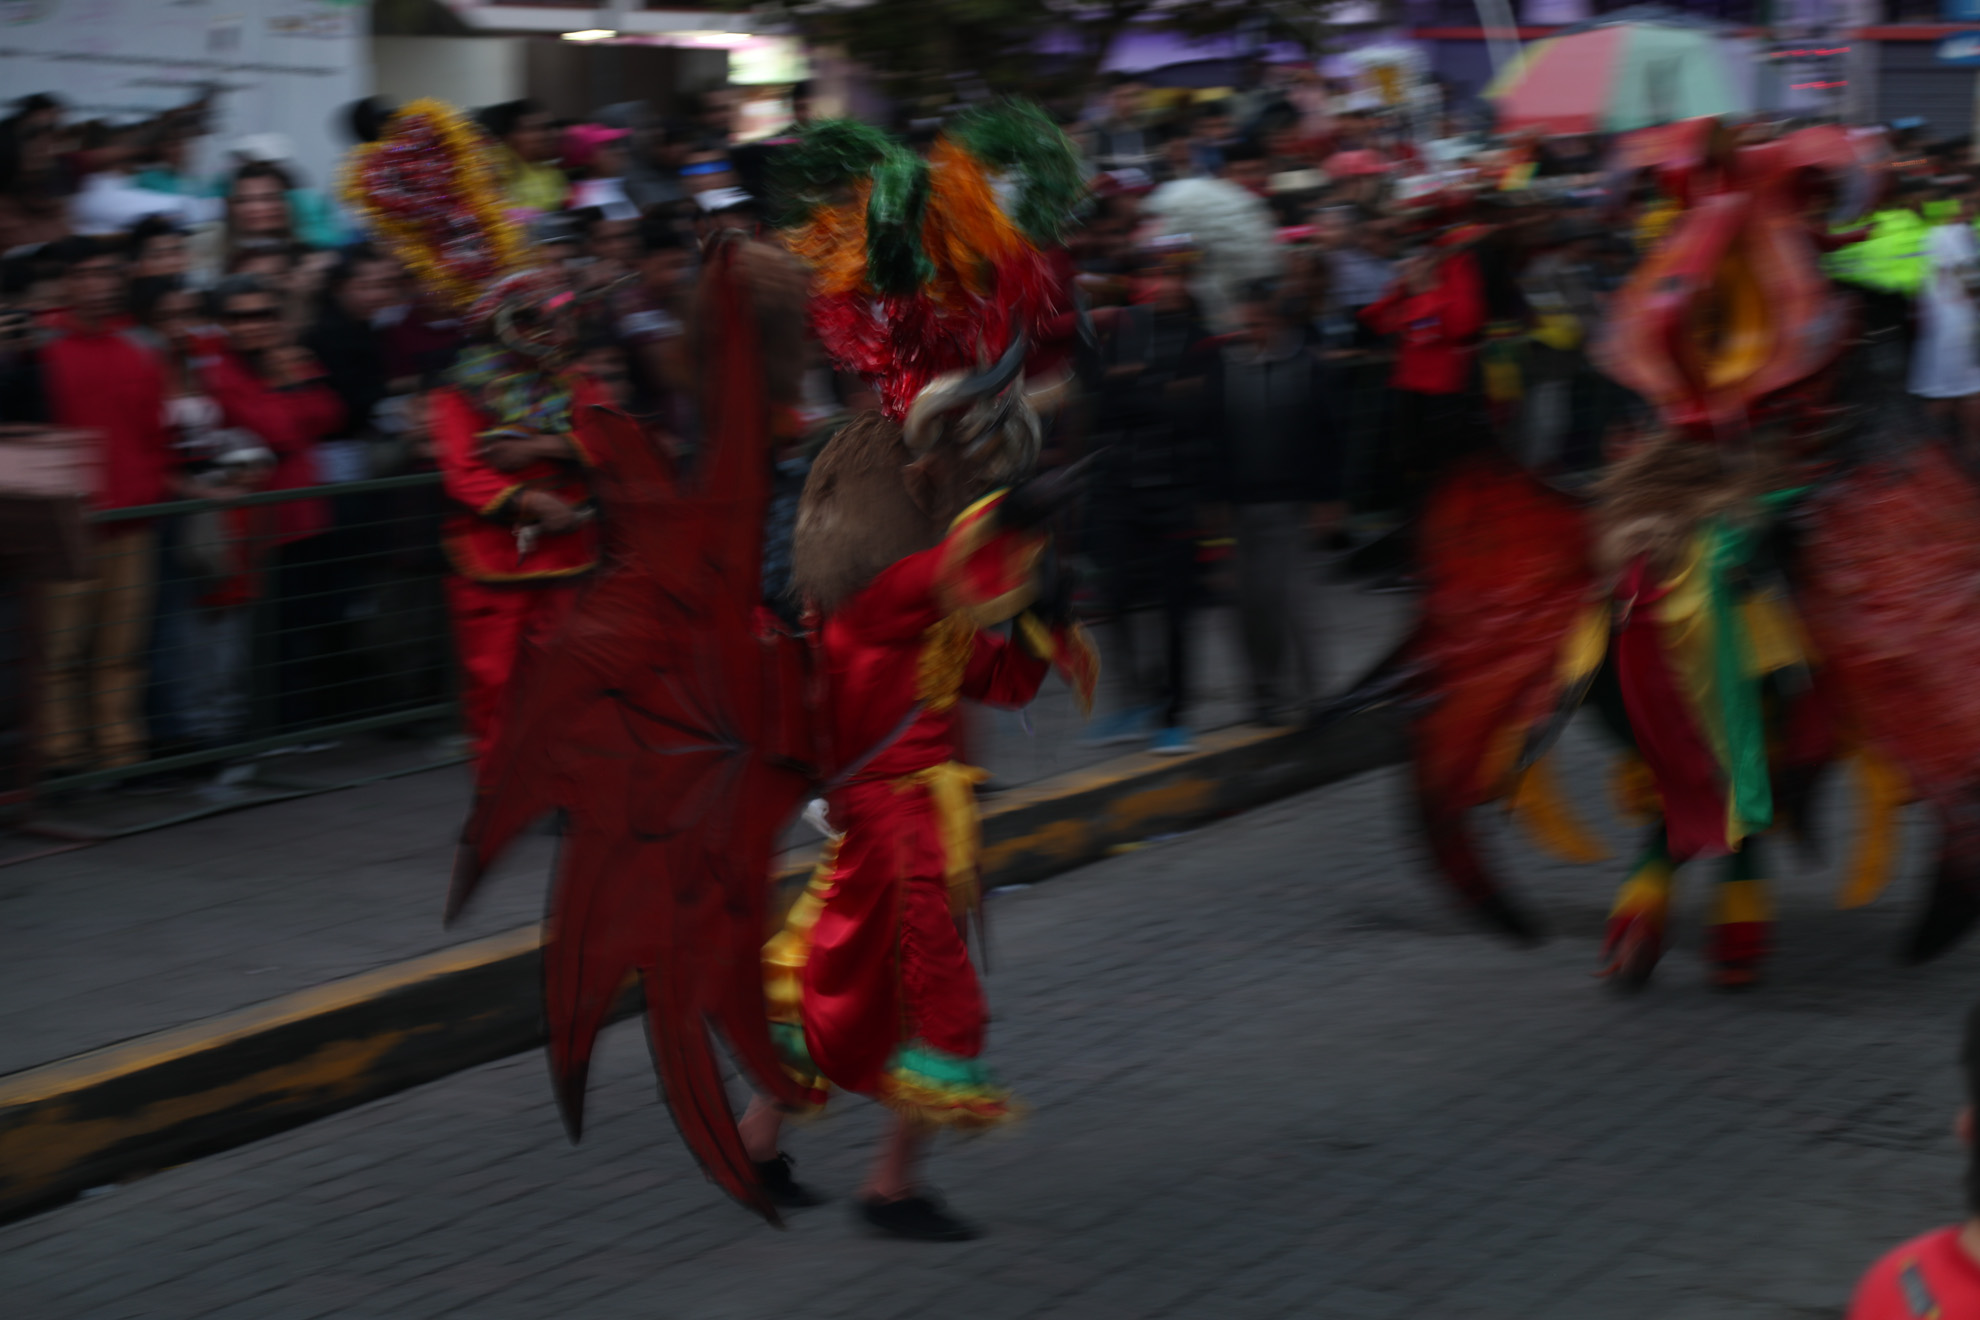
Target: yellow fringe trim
[952,790]
[1585,645]
[1737,901]
[1542,810]
[960,1111]
[945,651]
[1634,789]
[1873,859]
[1774,636]
[1647,891]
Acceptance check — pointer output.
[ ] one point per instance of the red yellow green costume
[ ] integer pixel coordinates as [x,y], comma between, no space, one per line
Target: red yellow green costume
[676,721]
[870,983]
[1743,609]
[507,593]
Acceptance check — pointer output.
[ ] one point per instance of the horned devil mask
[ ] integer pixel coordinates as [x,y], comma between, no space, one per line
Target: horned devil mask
[866,505]
[989,417]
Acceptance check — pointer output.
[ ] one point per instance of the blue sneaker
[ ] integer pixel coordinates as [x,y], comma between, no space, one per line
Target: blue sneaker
[1122,727]
[1172,741]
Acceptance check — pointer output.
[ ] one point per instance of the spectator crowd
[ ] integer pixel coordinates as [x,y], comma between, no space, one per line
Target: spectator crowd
[1301,309]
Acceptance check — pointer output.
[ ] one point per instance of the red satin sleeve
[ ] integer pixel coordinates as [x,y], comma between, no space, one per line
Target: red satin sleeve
[981,569]
[1000,674]
[467,478]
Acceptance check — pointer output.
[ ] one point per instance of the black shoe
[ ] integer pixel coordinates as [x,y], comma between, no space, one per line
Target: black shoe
[786,1192]
[916,1218]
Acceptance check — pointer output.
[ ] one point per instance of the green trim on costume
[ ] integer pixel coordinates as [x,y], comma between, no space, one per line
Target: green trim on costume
[788,1037]
[949,1071]
[1752,794]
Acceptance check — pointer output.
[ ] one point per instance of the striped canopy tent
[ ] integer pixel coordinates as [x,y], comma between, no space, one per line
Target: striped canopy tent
[1618,74]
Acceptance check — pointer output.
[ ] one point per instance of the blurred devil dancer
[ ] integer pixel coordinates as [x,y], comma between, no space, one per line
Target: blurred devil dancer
[505,422]
[919,529]
[521,537]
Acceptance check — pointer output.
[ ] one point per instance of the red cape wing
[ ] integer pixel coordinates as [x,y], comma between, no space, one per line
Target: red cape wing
[669,724]
[1890,590]
[1507,566]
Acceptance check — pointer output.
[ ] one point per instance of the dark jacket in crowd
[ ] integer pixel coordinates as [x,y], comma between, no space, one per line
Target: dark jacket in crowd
[1157,458]
[352,354]
[21,397]
[1271,421]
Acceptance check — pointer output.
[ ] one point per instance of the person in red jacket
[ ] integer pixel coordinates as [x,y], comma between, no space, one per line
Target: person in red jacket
[1938,1274]
[520,536]
[1435,314]
[98,376]
[274,389]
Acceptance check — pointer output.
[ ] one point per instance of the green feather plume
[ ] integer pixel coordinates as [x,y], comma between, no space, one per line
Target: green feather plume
[895,259]
[830,154]
[1018,138]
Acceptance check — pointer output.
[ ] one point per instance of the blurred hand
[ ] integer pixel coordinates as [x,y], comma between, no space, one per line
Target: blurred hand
[546,511]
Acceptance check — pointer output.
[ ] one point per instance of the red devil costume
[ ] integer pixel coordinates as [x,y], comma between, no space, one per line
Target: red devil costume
[1743,605]
[677,722]
[871,987]
[427,191]
[515,578]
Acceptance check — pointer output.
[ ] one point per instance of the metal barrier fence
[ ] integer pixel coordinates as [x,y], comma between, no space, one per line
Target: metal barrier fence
[209,632]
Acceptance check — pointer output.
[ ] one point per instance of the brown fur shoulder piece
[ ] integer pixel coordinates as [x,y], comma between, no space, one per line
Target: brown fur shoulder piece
[1653,500]
[856,516]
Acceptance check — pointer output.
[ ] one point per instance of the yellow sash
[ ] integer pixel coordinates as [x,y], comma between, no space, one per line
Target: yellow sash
[952,788]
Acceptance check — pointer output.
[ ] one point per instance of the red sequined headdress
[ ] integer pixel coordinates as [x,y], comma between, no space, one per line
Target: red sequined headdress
[427,191]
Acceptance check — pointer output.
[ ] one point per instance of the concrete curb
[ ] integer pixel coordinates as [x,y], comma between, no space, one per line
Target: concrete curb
[158,1100]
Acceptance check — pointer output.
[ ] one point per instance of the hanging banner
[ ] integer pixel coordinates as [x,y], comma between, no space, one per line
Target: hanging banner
[278,66]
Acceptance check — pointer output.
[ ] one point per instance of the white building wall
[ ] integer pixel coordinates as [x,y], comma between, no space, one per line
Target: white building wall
[463,71]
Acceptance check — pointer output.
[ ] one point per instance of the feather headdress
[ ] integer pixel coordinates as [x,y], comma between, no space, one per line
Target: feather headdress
[937,265]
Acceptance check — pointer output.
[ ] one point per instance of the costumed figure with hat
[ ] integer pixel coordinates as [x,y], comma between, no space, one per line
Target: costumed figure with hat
[678,722]
[1779,582]
[519,537]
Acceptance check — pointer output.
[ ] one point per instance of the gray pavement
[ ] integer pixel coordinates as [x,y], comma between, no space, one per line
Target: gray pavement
[151,931]
[1272,1076]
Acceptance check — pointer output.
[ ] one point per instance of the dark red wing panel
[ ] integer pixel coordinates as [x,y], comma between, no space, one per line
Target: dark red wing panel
[1506,561]
[669,724]
[1890,589]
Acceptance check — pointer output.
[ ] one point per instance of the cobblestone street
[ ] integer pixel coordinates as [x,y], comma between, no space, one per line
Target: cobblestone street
[1271,1075]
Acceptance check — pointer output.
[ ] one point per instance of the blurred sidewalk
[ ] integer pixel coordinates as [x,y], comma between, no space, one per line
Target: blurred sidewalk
[143,933]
